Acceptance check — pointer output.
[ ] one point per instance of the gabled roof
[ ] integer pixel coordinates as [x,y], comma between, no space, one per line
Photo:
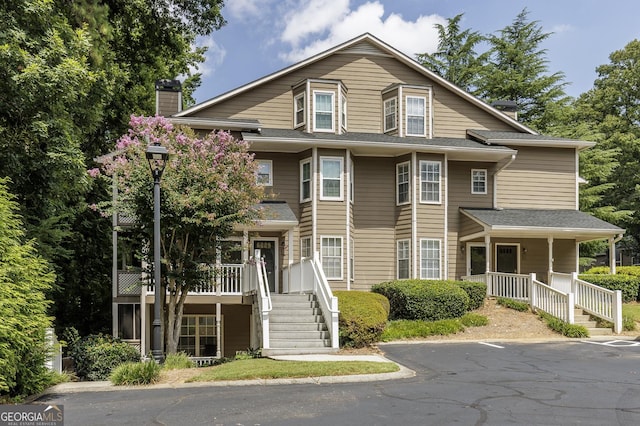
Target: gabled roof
[524,139]
[343,48]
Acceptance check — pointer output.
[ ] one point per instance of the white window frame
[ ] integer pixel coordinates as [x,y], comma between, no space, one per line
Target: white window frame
[323,240]
[424,182]
[323,178]
[424,115]
[352,261]
[403,253]
[483,181]
[270,178]
[197,336]
[344,112]
[387,114]
[305,248]
[426,272]
[296,110]
[303,181]
[315,111]
[352,185]
[407,182]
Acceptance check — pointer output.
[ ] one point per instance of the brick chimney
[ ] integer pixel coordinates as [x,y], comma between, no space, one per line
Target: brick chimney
[509,108]
[168,97]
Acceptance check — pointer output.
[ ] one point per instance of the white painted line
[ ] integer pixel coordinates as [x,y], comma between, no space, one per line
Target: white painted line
[615,343]
[492,345]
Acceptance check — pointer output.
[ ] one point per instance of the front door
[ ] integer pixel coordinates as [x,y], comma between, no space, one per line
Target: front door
[477,261]
[267,249]
[507,258]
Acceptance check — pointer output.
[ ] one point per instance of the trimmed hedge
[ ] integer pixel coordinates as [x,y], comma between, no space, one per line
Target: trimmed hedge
[95,356]
[628,284]
[476,292]
[620,270]
[363,317]
[426,300]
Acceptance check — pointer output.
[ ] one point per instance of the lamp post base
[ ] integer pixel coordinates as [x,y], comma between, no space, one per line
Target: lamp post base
[158,356]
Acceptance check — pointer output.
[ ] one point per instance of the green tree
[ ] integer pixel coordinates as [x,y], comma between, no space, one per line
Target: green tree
[24,278]
[208,186]
[456,59]
[518,71]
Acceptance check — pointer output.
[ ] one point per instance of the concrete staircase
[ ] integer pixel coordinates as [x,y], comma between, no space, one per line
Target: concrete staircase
[296,326]
[583,319]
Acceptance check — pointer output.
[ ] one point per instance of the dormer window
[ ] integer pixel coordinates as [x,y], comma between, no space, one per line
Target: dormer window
[390,114]
[299,110]
[323,111]
[416,116]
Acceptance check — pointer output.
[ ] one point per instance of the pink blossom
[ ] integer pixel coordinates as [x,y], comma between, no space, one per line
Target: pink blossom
[95,172]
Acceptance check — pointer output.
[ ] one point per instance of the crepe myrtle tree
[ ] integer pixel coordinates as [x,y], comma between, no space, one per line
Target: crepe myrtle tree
[208,186]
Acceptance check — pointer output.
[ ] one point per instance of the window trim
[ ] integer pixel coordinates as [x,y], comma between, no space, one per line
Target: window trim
[340,197]
[406,241]
[439,182]
[395,114]
[198,335]
[270,180]
[343,112]
[408,183]
[302,240]
[423,270]
[424,116]
[303,181]
[315,111]
[322,246]
[297,124]
[484,182]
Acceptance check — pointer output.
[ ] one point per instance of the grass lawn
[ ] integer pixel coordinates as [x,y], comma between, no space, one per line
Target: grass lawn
[631,310]
[265,368]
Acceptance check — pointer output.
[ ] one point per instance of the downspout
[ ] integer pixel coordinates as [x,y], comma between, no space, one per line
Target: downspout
[348,218]
[314,199]
[495,179]
[446,217]
[414,214]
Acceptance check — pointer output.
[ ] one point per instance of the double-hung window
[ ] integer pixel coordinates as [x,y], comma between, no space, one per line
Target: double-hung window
[331,250]
[323,111]
[331,178]
[403,257]
[305,180]
[265,173]
[305,247]
[416,107]
[430,181]
[402,182]
[478,181]
[390,114]
[429,259]
[299,110]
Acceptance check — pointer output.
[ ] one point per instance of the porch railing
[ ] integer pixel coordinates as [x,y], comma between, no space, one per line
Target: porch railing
[307,276]
[220,280]
[600,302]
[554,302]
[499,284]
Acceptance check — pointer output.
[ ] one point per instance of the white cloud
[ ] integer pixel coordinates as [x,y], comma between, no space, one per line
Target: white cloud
[239,8]
[315,17]
[562,28]
[214,56]
[410,37]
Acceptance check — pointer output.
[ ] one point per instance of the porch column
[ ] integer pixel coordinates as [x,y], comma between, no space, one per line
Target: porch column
[612,255]
[218,330]
[550,266]
[487,250]
[245,246]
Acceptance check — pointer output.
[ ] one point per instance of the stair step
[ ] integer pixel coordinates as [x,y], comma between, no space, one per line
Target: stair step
[306,344]
[599,331]
[276,298]
[298,351]
[296,326]
[298,335]
[308,304]
[296,312]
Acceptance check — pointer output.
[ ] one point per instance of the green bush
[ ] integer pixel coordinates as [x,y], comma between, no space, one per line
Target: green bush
[628,284]
[363,317]
[427,300]
[476,292]
[471,319]
[136,373]
[516,305]
[564,328]
[95,356]
[177,361]
[620,270]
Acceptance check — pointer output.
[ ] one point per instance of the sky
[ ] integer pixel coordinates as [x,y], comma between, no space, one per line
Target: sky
[265,36]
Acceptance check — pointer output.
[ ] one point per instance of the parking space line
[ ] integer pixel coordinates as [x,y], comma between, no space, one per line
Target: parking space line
[492,345]
[615,343]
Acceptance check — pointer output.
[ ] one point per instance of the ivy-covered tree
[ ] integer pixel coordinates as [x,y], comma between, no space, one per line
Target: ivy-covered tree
[456,59]
[24,278]
[518,71]
[208,186]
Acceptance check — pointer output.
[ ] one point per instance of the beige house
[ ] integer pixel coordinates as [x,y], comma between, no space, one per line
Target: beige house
[386,171]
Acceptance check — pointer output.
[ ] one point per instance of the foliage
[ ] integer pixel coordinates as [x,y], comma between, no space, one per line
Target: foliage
[95,356]
[513,304]
[24,279]
[177,361]
[629,285]
[363,317]
[427,300]
[250,353]
[471,319]
[208,187]
[564,328]
[517,70]
[477,293]
[136,373]
[456,59]
[413,329]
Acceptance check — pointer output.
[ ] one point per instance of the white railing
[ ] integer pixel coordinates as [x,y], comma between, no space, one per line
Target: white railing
[554,302]
[499,284]
[255,281]
[220,280]
[599,302]
[307,276]
[561,281]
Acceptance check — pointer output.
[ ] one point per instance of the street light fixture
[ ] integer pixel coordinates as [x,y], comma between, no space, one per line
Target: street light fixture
[157,156]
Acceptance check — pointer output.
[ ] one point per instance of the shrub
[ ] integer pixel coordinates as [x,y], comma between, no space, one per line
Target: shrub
[564,328]
[628,284]
[177,361]
[516,305]
[471,319]
[424,299]
[620,270]
[476,292]
[136,373]
[95,356]
[363,317]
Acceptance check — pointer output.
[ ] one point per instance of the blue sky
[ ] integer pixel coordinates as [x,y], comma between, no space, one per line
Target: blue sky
[263,36]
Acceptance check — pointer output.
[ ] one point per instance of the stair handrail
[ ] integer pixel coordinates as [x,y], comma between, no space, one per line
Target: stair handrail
[260,284]
[598,301]
[328,302]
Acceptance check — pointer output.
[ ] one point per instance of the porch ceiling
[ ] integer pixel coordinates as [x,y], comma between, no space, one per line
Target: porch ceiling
[539,223]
